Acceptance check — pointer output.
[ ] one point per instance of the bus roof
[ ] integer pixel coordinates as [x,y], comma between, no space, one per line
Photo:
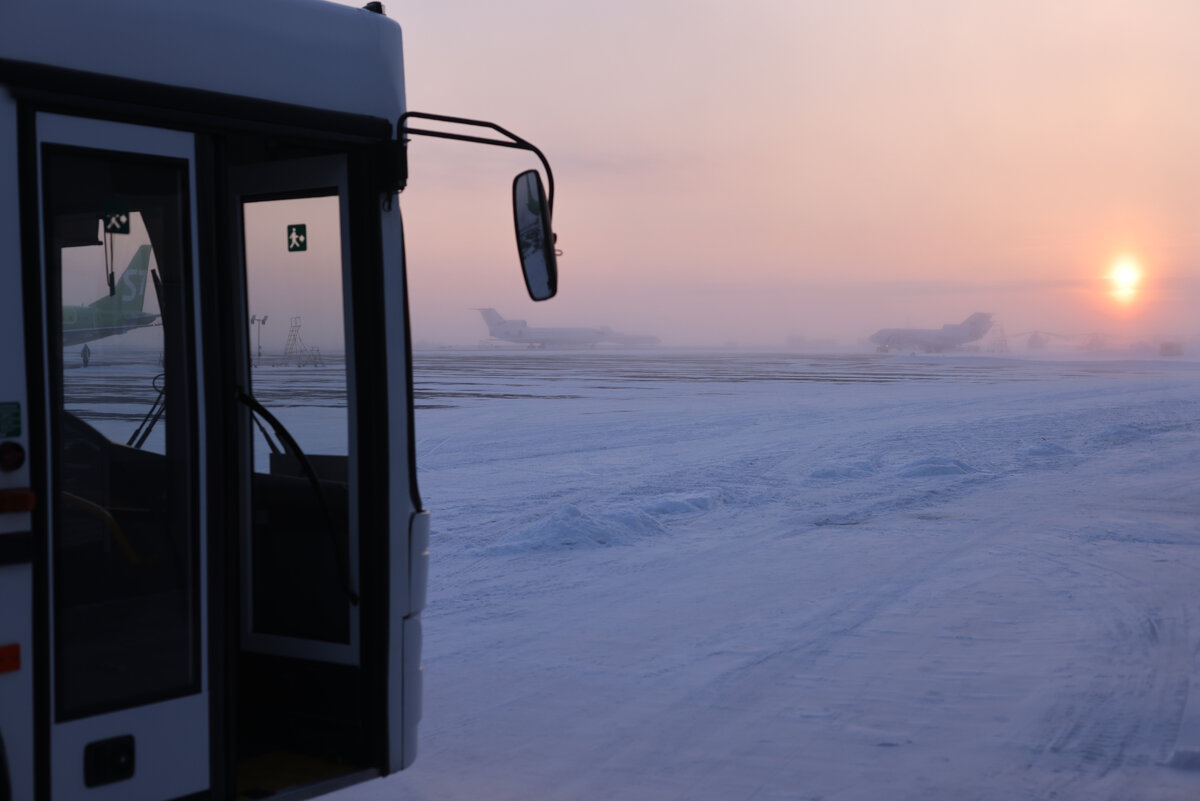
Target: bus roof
[301,52]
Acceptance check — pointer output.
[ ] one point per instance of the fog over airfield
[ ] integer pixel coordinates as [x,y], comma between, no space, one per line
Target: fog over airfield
[751,172]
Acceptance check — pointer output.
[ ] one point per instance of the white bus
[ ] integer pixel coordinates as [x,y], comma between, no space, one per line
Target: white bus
[213,553]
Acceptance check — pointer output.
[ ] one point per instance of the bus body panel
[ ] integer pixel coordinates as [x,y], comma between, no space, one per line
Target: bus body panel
[16,684]
[408,549]
[333,57]
[14,403]
[16,569]
[171,736]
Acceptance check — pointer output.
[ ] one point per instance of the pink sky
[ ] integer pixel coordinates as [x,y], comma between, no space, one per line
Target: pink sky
[747,172]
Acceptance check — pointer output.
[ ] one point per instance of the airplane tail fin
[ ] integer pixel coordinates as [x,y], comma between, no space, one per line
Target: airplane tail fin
[131,286]
[978,324]
[493,319]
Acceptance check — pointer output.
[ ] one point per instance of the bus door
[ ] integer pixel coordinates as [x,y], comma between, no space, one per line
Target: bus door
[122,588]
[301,711]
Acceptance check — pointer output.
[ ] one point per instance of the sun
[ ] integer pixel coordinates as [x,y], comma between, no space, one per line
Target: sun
[1124,278]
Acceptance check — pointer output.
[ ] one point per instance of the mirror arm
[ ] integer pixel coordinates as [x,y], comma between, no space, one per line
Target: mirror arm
[513,141]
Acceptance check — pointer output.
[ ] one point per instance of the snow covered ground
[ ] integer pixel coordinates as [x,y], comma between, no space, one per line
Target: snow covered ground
[731,576]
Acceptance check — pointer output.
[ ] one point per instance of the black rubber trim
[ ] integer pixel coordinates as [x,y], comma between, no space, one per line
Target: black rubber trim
[414,488]
[31,287]
[374,423]
[5,777]
[222,576]
[16,549]
[193,109]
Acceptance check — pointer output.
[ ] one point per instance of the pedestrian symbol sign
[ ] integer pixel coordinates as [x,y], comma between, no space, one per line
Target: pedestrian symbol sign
[116,219]
[297,238]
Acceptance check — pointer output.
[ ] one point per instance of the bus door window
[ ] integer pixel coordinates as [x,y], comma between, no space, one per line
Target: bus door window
[125,544]
[302,559]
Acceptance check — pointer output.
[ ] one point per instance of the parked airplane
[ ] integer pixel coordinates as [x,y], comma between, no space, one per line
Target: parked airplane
[519,331]
[112,314]
[934,340]
[628,339]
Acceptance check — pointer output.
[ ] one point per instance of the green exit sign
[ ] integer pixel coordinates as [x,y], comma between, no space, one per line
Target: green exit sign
[297,238]
[116,219]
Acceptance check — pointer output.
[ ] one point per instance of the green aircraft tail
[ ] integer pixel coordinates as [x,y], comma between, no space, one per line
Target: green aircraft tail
[131,286]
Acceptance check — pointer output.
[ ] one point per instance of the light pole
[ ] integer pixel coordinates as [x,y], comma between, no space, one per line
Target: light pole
[260,322]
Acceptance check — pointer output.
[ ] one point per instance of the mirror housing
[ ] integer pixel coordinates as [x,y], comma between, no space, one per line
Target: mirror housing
[535,240]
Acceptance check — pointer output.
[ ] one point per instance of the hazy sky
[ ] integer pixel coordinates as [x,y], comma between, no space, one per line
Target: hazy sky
[752,171]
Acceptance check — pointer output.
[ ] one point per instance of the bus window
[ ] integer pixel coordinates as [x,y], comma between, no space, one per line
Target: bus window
[299,551]
[124,540]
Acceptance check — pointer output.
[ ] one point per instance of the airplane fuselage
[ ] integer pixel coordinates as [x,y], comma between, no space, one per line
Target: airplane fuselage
[85,324]
[549,337]
[520,332]
[933,340]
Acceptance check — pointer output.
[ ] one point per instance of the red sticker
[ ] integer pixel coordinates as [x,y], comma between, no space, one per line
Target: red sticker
[10,658]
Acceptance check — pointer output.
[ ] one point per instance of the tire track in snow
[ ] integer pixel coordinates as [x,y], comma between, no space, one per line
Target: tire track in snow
[747,690]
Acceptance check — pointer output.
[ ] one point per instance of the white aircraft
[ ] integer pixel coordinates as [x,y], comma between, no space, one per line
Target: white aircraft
[933,340]
[519,331]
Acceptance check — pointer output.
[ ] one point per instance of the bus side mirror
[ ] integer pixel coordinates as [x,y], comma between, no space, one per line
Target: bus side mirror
[535,240]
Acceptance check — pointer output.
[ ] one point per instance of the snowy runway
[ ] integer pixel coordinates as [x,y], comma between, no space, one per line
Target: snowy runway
[688,576]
